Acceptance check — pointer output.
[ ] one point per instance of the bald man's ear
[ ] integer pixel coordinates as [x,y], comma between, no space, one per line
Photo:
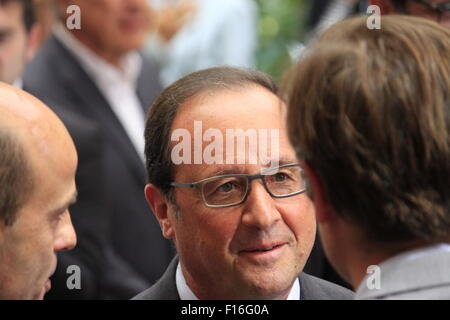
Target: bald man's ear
[34,41]
[160,209]
[323,209]
[386,6]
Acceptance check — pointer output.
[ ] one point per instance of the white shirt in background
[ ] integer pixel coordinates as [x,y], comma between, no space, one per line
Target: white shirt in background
[118,85]
[221,32]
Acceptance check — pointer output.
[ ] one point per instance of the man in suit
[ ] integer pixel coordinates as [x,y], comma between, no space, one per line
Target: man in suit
[37,174]
[369,116]
[240,219]
[436,10]
[21,35]
[97,73]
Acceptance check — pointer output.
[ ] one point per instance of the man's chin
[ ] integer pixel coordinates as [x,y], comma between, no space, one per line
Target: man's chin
[267,285]
[46,288]
[41,294]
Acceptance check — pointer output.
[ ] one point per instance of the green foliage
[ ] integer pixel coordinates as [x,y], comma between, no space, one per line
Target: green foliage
[281,24]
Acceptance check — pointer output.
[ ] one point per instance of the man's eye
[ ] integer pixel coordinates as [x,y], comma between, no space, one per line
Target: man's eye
[226,187]
[280,177]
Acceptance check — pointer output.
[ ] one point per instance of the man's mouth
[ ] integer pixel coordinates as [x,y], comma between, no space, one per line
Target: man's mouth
[263,248]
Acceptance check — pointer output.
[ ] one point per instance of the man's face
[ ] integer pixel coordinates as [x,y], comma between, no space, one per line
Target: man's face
[43,226]
[221,248]
[13,42]
[113,26]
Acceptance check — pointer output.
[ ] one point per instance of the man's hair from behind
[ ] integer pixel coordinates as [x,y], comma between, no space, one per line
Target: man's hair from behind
[164,108]
[15,176]
[369,111]
[28,10]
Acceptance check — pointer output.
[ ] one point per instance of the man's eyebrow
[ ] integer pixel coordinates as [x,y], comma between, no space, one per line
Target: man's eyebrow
[235,169]
[229,170]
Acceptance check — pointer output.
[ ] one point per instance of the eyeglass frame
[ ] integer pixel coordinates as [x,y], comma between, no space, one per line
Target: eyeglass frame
[439,8]
[250,178]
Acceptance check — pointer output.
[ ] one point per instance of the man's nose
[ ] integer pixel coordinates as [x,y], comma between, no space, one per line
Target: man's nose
[259,209]
[66,238]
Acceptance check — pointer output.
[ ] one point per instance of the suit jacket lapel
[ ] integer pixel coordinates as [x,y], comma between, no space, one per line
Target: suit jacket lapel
[165,288]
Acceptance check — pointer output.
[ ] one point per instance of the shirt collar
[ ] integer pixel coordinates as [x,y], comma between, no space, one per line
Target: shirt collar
[94,65]
[18,83]
[186,293]
[396,271]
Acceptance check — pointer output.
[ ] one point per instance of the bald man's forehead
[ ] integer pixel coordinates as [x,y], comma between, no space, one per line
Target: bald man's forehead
[16,103]
[18,107]
[31,120]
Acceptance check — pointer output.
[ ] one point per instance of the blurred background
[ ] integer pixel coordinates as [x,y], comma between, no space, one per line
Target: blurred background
[266,34]
[286,25]
[282,25]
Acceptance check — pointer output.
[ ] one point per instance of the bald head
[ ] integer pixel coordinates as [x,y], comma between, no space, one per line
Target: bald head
[32,138]
[37,174]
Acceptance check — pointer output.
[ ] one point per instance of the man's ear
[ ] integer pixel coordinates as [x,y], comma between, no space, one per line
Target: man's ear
[323,209]
[160,209]
[386,6]
[34,41]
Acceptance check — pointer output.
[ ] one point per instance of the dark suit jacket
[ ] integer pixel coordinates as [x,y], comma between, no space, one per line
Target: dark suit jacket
[139,253]
[311,288]
[88,216]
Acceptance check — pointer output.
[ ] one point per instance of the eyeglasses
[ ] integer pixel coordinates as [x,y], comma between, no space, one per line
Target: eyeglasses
[232,189]
[438,8]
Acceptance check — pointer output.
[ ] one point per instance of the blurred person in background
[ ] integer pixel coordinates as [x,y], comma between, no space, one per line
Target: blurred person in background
[19,39]
[97,73]
[45,14]
[436,10]
[195,34]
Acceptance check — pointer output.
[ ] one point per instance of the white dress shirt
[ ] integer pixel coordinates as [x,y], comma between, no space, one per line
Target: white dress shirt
[186,293]
[18,83]
[221,32]
[118,85]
